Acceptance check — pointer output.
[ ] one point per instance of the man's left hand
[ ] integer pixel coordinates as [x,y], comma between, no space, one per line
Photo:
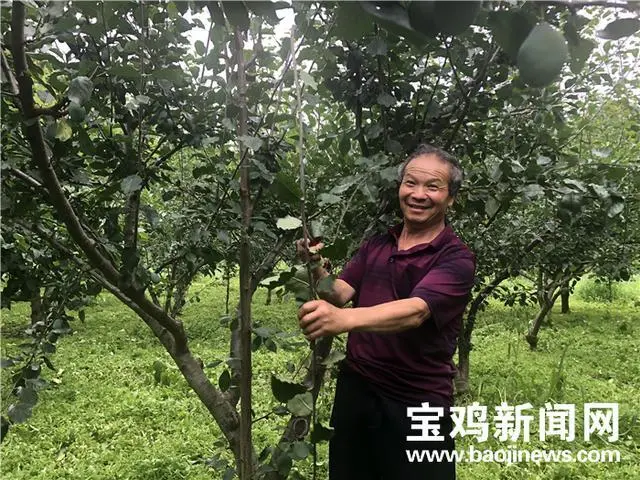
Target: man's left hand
[319,319]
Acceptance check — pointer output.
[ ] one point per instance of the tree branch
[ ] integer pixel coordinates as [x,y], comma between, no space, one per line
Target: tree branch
[222,411]
[266,266]
[29,180]
[33,132]
[9,74]
[433,93]
[631,5]
[453,67]
[477,83]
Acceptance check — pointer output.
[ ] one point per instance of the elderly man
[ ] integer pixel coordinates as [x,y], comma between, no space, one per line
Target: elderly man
[409,289]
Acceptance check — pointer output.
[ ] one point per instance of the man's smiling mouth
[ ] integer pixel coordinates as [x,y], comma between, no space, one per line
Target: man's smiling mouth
[419,207]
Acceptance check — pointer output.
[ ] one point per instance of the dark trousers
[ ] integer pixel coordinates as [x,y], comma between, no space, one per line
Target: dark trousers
[370,437]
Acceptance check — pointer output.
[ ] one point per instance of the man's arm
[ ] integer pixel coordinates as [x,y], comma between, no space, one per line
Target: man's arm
[318,318]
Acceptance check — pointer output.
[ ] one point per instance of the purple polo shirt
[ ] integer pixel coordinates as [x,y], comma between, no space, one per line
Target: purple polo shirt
[415,365]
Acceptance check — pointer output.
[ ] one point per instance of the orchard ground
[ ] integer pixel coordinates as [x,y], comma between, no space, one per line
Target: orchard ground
[113,411]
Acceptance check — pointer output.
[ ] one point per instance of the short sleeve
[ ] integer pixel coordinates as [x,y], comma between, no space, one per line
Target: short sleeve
[447,288]
[354,270]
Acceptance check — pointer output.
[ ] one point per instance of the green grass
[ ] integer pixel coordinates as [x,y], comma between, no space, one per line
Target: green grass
[107,418]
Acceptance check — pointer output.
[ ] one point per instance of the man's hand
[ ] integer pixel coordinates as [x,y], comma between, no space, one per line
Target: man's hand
[319,319]
[310,253]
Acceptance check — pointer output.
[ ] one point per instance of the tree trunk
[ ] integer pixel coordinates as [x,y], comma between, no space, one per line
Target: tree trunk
[564,295]
[541,292]
[37,310]
[464,342]
[246,464]
[532,336]
[268,302]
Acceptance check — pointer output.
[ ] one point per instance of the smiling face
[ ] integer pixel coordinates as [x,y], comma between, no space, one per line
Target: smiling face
[424,191]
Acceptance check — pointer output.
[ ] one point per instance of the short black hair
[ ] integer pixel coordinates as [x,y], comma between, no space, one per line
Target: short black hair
[456,173]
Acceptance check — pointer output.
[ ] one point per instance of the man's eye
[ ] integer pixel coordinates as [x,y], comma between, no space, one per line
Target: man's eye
[410,183]
[433,188]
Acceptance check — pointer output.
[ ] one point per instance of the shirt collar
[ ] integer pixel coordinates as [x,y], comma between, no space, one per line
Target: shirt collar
[443,237]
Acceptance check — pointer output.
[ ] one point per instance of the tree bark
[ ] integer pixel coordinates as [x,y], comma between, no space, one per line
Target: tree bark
[564,296]
[37,313]
[464,342]
[246,463]
[267,265]
[551,296]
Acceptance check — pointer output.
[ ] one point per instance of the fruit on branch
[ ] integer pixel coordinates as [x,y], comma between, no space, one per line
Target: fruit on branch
[542,55]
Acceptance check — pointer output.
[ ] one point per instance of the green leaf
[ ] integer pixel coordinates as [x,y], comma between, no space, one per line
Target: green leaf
[131,184]
[579,54]
[271,345]
[393,146]
[392,16]
[284,391]
[200,47]
[254,143]
[320,433]
[19,413]
[325,286]
[543,160]
[7,362]
[158,369]
[600,191]
[224,382]
[307,79]
[533,191]
[615,209]
[510,29]
[143,100]
[386,100]
[286,188]
[345,145]
[124,71]
[337,250]
[301,404]
[622,27]
[351,24]
[63,130]
[299,450]
[43,95]
[48,362]
[80,90]
[28,396]
[378,47]
[77,113]
[288,223]
[267,10]
[334,357]
[328,199]
[236,14]
[174,75]
[228,124]
[491,206]
[213,364]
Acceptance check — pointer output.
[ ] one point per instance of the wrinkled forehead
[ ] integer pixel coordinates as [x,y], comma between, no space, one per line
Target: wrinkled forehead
[430,166]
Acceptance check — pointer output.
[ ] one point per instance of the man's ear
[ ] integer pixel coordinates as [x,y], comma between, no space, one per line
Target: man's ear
[450,201]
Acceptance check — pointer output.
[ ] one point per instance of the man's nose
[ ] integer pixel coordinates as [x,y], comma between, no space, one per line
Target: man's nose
[420,193]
